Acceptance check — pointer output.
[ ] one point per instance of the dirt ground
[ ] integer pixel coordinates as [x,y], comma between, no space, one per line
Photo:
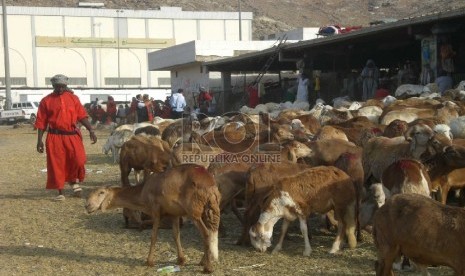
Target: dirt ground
[39,236]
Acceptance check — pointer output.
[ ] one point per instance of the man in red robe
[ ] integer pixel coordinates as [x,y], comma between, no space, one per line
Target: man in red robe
[58,114]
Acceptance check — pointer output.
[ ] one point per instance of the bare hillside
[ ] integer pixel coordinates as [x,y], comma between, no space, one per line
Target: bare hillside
[271,16]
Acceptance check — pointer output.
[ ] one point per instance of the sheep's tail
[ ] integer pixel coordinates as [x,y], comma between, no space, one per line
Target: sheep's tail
[211,211]
[211,219]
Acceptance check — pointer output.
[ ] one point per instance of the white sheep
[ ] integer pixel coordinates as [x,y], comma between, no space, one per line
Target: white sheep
[388,100]
[378,194]
[457,127]
[444,129]
[411,90]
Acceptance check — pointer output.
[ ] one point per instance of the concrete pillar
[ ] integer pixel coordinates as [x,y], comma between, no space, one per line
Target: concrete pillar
[227,91]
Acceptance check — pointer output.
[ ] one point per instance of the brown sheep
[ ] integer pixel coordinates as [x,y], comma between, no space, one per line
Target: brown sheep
[260,181]
[245,141]
[194,153]
[330,132]
[407,176]
[326,152]
[423,230]
[230,178]
[380,152]
[180,130]
[396,128]
[446,170]
[290,150]
[143,153]
[359,135]
[318,189]
[356,122]
[187,190]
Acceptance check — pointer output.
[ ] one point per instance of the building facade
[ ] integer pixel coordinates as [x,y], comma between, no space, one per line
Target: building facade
[105,48]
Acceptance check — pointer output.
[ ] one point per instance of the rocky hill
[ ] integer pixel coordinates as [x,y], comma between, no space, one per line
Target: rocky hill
[271,16]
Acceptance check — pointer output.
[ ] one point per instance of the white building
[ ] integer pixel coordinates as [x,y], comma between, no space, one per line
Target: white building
[185,62]
[104,48]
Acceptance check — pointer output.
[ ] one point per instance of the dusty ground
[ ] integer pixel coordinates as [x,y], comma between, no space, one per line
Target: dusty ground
[41,237]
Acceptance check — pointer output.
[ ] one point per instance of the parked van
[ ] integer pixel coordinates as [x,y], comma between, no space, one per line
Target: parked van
[20,111]
[30,109]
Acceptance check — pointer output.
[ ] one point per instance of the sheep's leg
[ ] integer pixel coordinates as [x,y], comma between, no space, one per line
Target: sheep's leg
[153,240]
[137,176]
[125,171]
[177,240]
[206,260]
[251,216]
[304,229]
[339,236]
[444,192]
[113,153]
[350,225]
[146,174]
[330,220]
[279,245]
[236,211]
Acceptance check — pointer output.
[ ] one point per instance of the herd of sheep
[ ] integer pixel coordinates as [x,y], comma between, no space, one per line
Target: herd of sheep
[382,166]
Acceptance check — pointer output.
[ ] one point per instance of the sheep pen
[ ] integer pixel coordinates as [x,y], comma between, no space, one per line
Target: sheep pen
[39,236]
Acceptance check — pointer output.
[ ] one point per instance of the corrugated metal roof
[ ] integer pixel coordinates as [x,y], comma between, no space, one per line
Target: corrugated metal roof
[379,28]
[338,39]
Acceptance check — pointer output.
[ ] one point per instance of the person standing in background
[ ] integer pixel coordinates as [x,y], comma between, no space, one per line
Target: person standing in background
[204,100]
[121,115]
[302,88]
[149,107]
[142,114]
[58,114]
[370,78]
[426,75]
[177,103]
[111,110]
[317,86]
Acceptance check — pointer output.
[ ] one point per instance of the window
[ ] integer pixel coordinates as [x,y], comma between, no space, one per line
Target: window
[164,81]
[71,81]
[14,81]
[122,81]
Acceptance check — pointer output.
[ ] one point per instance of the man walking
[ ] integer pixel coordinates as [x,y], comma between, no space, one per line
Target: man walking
[58,114]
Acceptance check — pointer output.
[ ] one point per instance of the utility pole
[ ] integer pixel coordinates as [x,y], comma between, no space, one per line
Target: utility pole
[240,21]
[6,54]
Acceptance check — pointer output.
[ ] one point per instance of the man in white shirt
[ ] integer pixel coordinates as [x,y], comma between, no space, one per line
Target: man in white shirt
[178,102]
[302,88]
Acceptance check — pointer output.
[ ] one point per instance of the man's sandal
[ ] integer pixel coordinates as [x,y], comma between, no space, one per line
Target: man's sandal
[76,190]
[59,198]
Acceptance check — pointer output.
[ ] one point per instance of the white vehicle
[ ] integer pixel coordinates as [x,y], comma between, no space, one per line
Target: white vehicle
[20,111]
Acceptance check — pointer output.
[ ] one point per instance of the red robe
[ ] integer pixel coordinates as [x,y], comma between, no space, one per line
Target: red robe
[65,153]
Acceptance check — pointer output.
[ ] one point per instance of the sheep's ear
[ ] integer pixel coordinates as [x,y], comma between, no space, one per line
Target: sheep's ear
[291,156]
[105,204]
[408,134]
[253,232]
